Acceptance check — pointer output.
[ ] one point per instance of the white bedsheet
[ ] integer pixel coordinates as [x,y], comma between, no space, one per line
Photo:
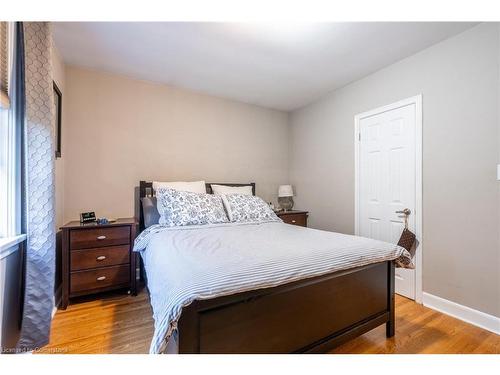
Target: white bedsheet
[190,263]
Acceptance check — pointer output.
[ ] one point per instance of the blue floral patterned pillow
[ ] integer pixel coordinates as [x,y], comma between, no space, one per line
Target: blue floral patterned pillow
[248,208]
[178,208]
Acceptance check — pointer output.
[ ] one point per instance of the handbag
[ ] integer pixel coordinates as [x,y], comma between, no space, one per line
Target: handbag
[406,241]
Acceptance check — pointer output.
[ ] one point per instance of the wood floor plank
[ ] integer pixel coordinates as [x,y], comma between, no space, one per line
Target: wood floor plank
[420,330]
[119,323]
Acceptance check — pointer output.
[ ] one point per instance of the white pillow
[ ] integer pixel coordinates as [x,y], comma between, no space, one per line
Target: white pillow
[248,208]
[178,208]
[223,189]
[193,187]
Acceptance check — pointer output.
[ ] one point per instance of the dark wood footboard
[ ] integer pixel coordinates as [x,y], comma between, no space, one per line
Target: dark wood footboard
[307,316]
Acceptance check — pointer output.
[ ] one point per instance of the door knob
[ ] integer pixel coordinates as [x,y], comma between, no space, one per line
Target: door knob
[406,212]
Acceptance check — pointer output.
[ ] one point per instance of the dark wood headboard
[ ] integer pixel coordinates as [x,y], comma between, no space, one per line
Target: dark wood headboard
[146,190]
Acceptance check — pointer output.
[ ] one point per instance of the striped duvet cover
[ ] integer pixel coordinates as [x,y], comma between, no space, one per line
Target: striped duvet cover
[190,263]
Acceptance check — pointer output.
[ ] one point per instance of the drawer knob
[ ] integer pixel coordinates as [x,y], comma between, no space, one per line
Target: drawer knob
[101,237]
[101,257]
[101,278]
[293,221]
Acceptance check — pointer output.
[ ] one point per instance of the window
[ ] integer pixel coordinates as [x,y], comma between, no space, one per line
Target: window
[8,215]
[4,65]
[3,172]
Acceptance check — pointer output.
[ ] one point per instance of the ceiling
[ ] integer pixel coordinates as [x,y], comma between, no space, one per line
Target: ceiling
[281,66]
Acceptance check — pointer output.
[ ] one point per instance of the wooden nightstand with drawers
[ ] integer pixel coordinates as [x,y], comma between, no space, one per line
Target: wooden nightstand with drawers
[294,217]
[97,258]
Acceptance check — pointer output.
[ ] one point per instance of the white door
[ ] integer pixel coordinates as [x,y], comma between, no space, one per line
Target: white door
[386,174]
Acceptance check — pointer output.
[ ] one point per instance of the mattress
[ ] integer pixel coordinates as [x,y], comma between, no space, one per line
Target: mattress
[190,263]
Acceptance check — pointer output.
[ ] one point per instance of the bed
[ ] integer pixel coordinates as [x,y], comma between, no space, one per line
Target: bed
[263,288]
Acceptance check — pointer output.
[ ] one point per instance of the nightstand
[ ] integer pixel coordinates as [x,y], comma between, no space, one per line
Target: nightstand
[97,258]
[294,217]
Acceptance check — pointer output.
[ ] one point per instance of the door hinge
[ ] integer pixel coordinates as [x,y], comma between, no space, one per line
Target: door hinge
[359,136]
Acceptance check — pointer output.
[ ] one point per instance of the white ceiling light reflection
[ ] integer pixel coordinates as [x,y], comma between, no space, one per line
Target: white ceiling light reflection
[280,31]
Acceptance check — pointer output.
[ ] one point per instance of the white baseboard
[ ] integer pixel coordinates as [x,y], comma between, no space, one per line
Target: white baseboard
[475,317]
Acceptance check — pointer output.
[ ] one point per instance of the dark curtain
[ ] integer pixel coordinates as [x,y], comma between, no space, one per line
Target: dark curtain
[19,110]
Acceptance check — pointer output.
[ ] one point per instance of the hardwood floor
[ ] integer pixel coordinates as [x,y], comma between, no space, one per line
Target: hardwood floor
[118,323]
[420,330]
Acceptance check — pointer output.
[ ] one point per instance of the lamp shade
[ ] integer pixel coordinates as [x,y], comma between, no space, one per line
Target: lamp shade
[285,191]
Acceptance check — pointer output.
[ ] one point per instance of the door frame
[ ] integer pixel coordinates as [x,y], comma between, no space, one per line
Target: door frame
[417,101]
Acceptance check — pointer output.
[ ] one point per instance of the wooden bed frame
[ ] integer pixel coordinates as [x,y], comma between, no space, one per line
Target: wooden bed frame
[313,315]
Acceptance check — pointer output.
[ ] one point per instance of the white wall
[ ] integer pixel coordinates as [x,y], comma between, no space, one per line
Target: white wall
[59,78]
[459,80]
[120,131]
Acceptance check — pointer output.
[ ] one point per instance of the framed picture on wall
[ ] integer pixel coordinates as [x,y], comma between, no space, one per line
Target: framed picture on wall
[58,115]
